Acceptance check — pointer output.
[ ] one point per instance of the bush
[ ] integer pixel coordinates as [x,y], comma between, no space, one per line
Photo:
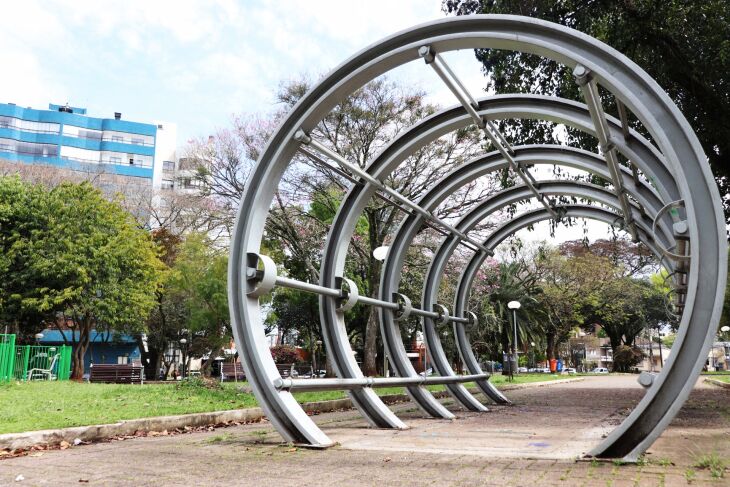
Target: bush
[626,357]
[198,382]
[284,354]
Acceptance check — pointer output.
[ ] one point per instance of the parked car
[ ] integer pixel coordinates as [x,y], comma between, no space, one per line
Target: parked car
[522,370]
[600,370]
[544,370]
[569,370]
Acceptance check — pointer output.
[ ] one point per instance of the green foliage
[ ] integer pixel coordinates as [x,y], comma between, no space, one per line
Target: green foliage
[284,354]
[713,462]
[29,406]
[692,40]
[625,357]
[70,252]
[198,279]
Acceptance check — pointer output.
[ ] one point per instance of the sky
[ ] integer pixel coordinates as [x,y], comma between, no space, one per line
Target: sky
[199,63]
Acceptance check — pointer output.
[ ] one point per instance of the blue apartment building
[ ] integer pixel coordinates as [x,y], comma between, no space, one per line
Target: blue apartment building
[66,137]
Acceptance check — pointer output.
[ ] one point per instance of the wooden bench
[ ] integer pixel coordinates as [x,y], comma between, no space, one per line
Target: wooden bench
[117,373]
[232,371]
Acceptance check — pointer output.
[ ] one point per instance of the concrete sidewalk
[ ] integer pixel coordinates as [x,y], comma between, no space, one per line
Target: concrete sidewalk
[473,450]
[129,427]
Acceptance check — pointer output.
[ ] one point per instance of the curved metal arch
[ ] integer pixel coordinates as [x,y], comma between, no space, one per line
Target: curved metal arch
[390,274]
[530,218]
[614,72]
[531,155]
[563,111]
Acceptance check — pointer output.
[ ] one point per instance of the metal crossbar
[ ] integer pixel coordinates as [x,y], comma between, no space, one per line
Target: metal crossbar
[589,88]
[305,139]
[496,137]
[318,161]
[257,275]
[311,385]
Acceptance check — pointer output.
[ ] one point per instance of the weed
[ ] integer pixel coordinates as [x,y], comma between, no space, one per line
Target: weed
[713,463]
[220,438]
[689,475]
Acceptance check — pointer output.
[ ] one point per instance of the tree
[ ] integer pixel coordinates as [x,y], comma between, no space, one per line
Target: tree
[308,196]
[631,258]
[496,285]
[569,281]
[78,260]
[198,280]
[692,40]
[624,308]
[168,316]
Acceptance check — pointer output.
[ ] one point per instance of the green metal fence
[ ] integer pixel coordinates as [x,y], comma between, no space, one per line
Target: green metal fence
[33,362]
[7,357]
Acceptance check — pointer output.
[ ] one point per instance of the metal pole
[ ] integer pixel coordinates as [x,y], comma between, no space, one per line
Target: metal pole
[336,293]
[490,130]
[514,345]
[589,88]
[374,382]
[651,353]
[305,139]
[661,358]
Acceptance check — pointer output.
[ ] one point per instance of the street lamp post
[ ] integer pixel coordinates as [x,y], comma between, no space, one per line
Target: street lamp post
[514,306]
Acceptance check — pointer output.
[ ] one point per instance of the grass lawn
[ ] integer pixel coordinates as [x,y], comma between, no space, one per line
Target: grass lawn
[722,378]
[28,406]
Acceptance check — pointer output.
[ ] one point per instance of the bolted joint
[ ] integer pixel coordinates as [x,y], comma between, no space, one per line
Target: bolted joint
[582,75]
[405,306]
[301,136]
[262,281]
[607,147]
[349,294]
[473,320]
[427,53]
[443,313]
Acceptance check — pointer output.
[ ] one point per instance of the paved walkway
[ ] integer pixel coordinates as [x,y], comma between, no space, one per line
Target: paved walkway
[532,442]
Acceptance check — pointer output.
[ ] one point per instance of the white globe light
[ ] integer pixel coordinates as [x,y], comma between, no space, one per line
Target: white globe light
[725,329]
[380,253]
[514,305]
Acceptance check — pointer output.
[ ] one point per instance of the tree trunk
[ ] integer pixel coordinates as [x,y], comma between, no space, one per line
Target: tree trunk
[371,342]
[370,347]
[615,343]
[329,369]
[148,358]
[550,349]
[79,352]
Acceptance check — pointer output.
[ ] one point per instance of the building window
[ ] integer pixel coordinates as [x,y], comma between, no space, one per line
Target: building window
[137,141]
[115,160]
[123,359]
[117,138]
[168,166]
[167,184]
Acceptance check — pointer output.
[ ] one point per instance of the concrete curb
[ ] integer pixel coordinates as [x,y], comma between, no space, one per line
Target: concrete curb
[725,385]
[93,433]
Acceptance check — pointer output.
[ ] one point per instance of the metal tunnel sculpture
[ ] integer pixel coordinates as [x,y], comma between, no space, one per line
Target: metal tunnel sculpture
[673,207]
